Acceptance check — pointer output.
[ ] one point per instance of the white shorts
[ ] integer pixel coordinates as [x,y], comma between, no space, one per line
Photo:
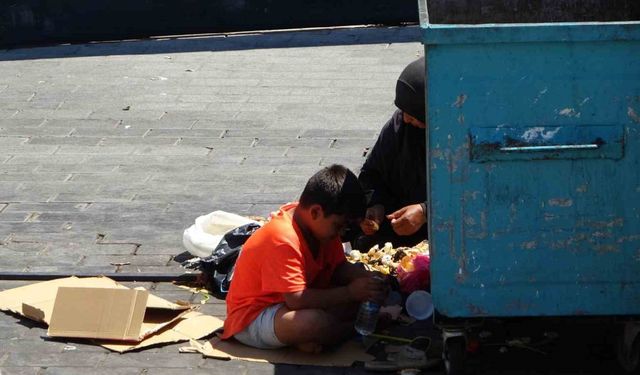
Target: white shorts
[261,332]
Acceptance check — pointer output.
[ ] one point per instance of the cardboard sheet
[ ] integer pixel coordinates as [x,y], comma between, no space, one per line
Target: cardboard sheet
[38,298]
[35,301]
[106,313]
[193,325]
[163,321]
[342,356]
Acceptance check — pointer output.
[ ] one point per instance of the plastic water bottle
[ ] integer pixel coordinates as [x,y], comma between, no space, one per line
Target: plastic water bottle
[367,318]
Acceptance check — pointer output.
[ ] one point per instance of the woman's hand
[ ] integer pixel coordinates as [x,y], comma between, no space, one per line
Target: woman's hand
[407,220]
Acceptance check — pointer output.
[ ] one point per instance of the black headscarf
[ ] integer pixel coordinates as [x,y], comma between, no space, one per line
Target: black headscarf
[410,90]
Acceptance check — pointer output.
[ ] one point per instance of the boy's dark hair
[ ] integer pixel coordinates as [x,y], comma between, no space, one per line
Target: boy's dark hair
[337,190]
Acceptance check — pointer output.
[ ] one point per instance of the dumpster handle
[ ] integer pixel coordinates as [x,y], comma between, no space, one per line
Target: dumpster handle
[590,146]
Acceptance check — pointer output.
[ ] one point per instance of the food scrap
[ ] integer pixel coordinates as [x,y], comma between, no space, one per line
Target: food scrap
[387,259]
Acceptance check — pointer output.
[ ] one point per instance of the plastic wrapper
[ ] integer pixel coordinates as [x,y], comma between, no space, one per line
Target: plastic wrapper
[217,268]
[414,273]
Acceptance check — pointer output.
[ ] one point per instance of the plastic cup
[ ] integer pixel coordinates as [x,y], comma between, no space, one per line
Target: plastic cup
[419,305]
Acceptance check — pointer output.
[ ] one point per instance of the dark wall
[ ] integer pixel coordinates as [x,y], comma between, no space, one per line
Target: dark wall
[531,11]
[25,22]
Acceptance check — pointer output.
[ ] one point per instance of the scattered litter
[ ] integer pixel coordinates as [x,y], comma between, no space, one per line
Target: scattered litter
[196,288]
[406,320]
[419,305]
[190,288]
[412,356]
[135,318]
[343,356]
[217,268]
[410,371]
[69,348]
[120,264]
[215,240]
[393,310]
[126,108]
[202,238]
[205,297]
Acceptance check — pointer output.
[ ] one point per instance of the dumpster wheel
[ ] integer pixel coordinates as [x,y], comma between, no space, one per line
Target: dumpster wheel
[454,355]
[628,349]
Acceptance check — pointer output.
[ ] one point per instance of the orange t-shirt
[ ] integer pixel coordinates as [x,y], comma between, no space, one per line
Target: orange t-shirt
[276,260]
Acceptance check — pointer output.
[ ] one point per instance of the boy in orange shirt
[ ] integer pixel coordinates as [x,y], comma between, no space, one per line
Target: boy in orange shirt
[292,284]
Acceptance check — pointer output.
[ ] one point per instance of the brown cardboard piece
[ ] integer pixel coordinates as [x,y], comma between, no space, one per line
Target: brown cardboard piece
[35,301]
[163,321]
[342,356]
[99,313]
[193,325]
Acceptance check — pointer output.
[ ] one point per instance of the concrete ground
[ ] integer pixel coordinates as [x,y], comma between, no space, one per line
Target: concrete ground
[108,151]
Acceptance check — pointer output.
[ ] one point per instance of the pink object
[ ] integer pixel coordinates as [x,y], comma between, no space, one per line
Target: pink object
[417,279]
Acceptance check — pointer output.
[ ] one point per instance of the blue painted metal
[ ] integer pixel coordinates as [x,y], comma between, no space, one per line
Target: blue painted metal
[539,32]
[534,168]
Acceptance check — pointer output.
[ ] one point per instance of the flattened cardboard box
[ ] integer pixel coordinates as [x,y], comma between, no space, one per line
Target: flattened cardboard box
[101,313]
[342,356]
[84,308]
[192,325]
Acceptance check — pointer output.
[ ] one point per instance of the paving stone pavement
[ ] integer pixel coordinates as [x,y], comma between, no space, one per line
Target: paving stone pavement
[108,151]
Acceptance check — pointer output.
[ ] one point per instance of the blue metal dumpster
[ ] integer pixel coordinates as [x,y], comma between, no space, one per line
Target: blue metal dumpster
[533,157]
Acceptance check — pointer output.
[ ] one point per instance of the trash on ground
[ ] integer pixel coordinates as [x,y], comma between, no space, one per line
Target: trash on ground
[202,238]
[120,264]
[195,288]
[419,305]
[342,356]
[393,311]
[217,239]
[116,317]
[410,356]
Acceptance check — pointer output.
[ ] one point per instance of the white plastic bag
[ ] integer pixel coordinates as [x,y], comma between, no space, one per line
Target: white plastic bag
[203,237]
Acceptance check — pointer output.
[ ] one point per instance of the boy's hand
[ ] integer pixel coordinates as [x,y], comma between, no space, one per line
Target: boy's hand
[368,288]
[407,220]
[373,219]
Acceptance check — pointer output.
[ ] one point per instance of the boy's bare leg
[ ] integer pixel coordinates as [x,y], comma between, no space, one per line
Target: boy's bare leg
[345,312]
[310,329]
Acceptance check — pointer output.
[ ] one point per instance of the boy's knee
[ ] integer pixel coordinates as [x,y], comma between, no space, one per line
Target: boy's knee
[314,321]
